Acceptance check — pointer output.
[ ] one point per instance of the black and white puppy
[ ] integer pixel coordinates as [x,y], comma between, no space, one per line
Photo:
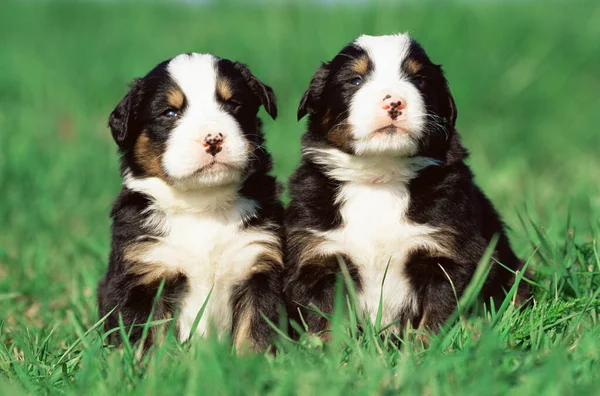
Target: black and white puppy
[198,208]
[382,181]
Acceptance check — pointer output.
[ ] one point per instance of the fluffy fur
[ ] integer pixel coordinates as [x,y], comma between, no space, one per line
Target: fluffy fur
[198,209]
[383,182]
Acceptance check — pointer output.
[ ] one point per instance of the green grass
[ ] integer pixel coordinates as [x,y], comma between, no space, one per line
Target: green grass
[525,79]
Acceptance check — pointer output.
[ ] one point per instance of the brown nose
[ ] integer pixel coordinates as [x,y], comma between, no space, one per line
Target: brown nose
[213,143]
[393,105]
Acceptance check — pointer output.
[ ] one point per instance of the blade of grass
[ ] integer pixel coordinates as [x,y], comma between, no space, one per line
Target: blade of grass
[473,289]
[200,313]
[146,328]
[79,339]
[380,304]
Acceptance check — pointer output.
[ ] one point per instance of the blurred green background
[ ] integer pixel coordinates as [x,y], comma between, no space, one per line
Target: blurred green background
[525,76]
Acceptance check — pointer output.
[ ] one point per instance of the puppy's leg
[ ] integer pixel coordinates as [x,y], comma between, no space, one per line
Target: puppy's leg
[312,285]
[134,301]
[438,305]
[260,294]
[438,282]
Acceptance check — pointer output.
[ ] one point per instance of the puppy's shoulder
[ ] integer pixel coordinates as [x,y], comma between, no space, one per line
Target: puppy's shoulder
[312,195]
[129,205]
[129,213]
[265,190]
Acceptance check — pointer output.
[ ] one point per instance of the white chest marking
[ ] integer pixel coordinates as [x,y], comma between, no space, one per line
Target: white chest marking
[210,247]
[375,233]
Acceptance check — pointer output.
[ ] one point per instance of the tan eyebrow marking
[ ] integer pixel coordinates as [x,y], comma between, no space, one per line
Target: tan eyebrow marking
[175,98]
[360,65]
[413,66]
[224,89]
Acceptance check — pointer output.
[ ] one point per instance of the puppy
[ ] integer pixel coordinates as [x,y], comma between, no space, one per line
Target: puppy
[198,209]
[383,184]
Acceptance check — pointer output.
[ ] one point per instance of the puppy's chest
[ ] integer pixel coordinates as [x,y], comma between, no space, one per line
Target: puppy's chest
[375,228]
[377,234]
[215,253]
[202,244]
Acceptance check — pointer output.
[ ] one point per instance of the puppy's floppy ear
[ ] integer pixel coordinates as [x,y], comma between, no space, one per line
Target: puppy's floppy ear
[262,91]
[313,92]
[119,120]
[448,106]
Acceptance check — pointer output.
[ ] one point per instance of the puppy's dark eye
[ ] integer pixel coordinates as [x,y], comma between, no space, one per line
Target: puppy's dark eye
[170,113]
[418,80]
[356,81]
[233,104]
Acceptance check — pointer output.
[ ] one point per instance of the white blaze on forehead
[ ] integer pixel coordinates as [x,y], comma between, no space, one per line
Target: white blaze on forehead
[196,75]
[386,53]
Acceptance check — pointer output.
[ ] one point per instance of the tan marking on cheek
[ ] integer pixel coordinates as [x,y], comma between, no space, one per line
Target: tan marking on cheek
[341,137]
[360,65]
[413,67]
[148,272]
[175,98]
[148,155]
[224,89]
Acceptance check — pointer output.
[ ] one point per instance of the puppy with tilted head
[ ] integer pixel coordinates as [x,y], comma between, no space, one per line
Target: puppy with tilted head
[198,209]
[383,185]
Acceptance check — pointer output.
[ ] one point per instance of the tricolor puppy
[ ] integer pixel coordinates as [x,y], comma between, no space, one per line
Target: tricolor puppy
[198,208]
[383,182]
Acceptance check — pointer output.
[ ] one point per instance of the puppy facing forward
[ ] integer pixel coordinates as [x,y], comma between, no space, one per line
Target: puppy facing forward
[383,184]
[198,208]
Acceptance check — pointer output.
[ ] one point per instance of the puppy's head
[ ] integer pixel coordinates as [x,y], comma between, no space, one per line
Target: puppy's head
[192,122]
[381,95]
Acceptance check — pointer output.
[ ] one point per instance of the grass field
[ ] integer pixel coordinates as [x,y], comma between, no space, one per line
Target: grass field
[526,81]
